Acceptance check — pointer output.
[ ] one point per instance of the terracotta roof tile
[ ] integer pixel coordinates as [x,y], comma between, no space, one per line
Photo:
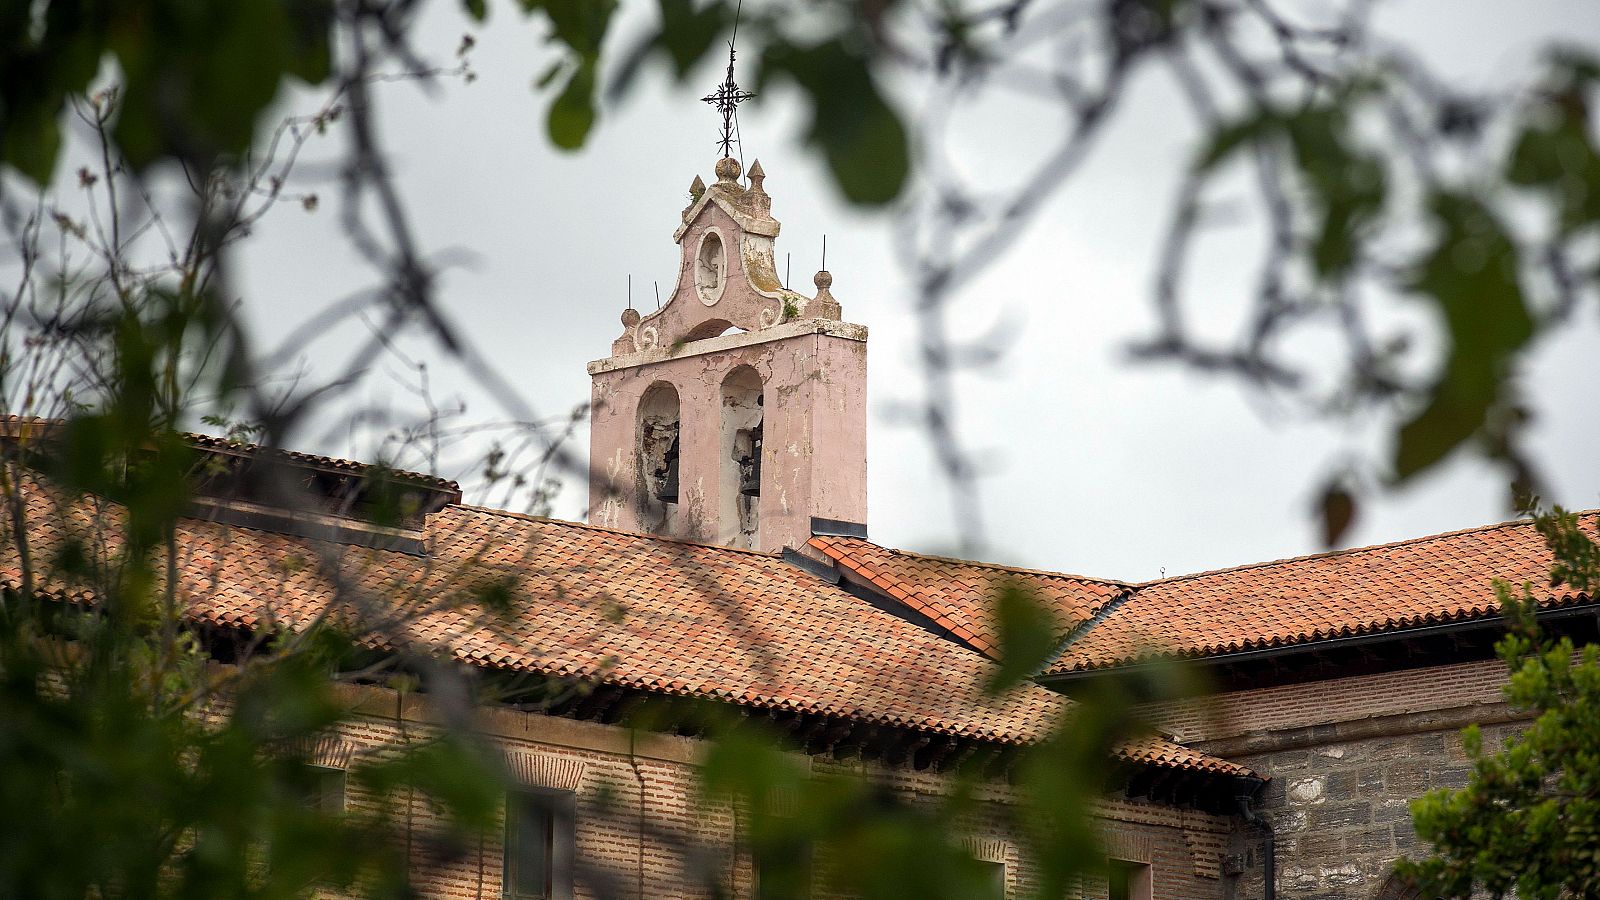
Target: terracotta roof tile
[633,610]
[15,426]
[1166,754]
[958,594]
[1424,581]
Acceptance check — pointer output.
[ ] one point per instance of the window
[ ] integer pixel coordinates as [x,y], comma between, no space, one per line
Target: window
[326,789]
[1128,881]
[318,791]
[783,872]
[539,845]
[995,878]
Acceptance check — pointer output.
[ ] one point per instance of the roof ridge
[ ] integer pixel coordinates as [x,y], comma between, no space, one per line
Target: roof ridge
[984,564]
[1350,551]
[223,443]
[217,442]
[930,605]
[589,526]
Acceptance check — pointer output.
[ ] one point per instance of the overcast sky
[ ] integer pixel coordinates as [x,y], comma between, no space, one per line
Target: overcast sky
[1094,464]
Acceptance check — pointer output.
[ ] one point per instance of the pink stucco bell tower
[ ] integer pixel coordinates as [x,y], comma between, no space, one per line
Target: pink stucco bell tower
[736,413]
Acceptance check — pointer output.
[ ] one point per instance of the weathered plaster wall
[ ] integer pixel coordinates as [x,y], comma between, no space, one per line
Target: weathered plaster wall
[728,309]
[744,290]
[814,459]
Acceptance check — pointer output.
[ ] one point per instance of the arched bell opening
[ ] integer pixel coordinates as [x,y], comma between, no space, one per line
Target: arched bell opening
[740,481]
[659,440]
[711,328]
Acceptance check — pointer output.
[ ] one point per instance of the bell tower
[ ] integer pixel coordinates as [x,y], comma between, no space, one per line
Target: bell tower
[736,413]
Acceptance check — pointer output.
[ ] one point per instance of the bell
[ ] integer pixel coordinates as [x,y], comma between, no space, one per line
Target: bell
[750,466]
[667,476]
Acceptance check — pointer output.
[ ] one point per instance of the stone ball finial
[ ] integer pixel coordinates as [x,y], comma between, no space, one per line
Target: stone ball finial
[630,317]
[728,170]
[824,306]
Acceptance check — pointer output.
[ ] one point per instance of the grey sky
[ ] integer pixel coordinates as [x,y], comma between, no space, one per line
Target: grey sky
[1094,464]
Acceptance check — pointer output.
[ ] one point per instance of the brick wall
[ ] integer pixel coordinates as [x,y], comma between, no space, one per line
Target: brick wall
[1315,703]
[614,774]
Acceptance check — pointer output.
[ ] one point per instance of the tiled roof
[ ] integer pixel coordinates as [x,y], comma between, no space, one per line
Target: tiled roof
[1432,580]
[35,426]
[1168,755]
[208,442]
[741,626]
[637,611]
[959,594]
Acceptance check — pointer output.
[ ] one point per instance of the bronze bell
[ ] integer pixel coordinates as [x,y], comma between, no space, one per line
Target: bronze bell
[750,466]
[667,475]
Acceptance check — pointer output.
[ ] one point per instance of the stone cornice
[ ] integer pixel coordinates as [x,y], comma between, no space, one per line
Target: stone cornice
[830,327]
[1394,725]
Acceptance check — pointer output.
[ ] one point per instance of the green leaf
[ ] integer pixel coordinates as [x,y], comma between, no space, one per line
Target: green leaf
[1227,138]
[1347,184]
[1577,555]
[38,73]
[580,24]
[477,9]
[455,770]
[1556,154]
[32,147]
[1470,274]
[1338,508]
[310,33]
[572,114]
[687,35]
[1027,637]
[197,77]
[856,129]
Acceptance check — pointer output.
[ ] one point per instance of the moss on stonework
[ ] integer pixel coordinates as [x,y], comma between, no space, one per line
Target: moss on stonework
[758,269]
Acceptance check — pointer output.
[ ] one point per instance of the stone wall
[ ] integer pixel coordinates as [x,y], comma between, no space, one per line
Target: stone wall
[1344,757]
[1341,811]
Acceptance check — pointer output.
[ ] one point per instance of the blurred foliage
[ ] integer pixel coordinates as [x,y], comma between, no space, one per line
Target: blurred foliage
[182,758]
[1363,201]
[1528,822]
[1471,274]
[1027,632]
[196,76]
[196,79]
[1345,181]
[137,765]
[846,829]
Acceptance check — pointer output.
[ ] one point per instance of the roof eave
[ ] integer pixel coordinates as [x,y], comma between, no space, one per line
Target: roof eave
[1580,607]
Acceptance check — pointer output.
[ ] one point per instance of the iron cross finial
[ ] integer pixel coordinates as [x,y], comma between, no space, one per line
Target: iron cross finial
[726,98]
